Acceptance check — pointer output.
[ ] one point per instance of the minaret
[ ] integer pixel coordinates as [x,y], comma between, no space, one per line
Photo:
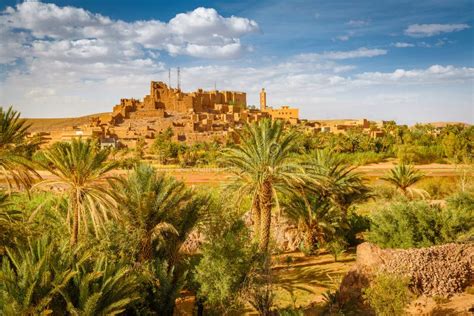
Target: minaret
[263,100]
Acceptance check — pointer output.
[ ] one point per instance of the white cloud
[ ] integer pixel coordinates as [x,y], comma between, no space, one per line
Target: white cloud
[358,53]
[427,30]
[403,45]
[431,74]
[358,23]
[76,33]
[361,52]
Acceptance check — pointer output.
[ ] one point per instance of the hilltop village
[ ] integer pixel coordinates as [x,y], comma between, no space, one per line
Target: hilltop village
[194,117]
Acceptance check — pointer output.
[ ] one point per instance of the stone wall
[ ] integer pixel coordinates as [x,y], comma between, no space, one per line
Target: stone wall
[434,271]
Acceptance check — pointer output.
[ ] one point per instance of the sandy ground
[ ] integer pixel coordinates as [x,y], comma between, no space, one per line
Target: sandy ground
[216,176]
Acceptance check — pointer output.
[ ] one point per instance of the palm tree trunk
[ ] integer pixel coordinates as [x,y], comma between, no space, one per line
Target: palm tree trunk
[266,215]
[145,249]
[74,200]
[256,214]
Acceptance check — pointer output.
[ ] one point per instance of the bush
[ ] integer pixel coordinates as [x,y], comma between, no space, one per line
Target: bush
[437,188]
[388,294]
[227,258]
[418,224]
[364,158]
[409,154]
[336,247]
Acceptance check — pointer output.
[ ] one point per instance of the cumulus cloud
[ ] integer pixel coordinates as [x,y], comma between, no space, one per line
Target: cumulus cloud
[37,28]
[427,30]
[403,45]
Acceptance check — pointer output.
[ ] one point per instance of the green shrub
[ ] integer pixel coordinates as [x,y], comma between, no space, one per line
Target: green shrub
[417,154]
[336,247]
[227,258]
[437,188]
[418,224]
[388,295]
[458,217]
[364,158]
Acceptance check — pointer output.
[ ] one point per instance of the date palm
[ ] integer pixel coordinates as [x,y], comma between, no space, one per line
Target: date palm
[83,170]
[31,278]
[263,164]
[150,203]
[315,216]
[403,177]
[101,288]
[14,164]
[334,179]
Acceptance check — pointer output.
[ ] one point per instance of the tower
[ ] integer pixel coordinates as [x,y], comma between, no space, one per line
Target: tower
[179,79]
[263,100]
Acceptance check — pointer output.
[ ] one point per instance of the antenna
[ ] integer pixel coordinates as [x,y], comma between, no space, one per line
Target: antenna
[179,79]
[215,85]
[169,77]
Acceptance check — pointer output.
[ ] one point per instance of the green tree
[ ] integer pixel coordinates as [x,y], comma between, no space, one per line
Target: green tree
[82,169]
[48,277]
[315,217]
[334,179]
[150,204]
[227,257]
[32,277]
[263,164]
[16,167]
[100,288]
[403,177]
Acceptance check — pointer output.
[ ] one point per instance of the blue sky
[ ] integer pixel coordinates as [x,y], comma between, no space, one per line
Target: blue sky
[412,61]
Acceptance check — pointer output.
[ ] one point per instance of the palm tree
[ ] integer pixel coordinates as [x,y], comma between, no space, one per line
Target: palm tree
[151,204]
[403,177]
[82,169]
[263,165]
[15,166]
[32,277]
[315,216]
[163,212]
[332,178]
[47,277]
[102,288]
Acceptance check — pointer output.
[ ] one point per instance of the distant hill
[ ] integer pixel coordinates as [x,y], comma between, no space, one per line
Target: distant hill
[444,124]
[55,124]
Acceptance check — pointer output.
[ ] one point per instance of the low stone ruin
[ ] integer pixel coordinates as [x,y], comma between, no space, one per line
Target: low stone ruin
[434,271]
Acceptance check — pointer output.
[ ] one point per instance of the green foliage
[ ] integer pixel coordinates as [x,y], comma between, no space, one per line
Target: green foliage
[356,224]
[336,247]
[262,164]
[388,295]
[47,277]
[418,224]
[321,207]
[437,188]
[403,177]
[82,168]
[417,154]
[458,143]
[100,288]
[227,257]
[364,158]
[15,150]
[32,278]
